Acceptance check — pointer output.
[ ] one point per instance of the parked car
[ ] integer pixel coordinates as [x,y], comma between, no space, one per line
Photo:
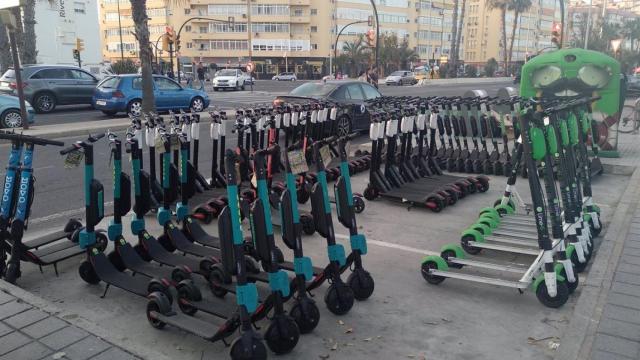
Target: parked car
[285,76]
[123,93]
[47,86]
[516,78]
[633,81]
[10,116]
[231,79]
[401,77]
[351,95]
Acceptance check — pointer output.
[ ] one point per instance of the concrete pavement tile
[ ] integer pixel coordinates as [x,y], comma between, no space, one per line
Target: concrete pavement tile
[630,259]
[86,348]
[4,329]
[604,355]
[617,345]
[626,278]
[619,328]
[32,351]
[631,251]
[44,327]
[12,341]
[64,337]
[628,268]
[627,289]
[5,298]
[26,318]
[114,354]
[621,313]
[632,244]
[12,308]
[629,301]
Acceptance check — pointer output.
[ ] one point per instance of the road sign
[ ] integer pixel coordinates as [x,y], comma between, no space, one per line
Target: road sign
[249,67]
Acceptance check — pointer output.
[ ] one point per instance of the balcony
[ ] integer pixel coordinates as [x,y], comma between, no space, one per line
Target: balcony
[300,2]
[300,19]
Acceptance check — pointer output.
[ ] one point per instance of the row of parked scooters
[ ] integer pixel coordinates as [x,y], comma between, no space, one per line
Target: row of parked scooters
[556,230]
[164,268]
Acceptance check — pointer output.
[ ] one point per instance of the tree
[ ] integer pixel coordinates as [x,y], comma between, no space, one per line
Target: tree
[395,54]
[501,5]
[356,51]
[28,49]
[140,21]
[471,71]
[124,67]
[632,32]
[490,67]
[518,7]
[5,56]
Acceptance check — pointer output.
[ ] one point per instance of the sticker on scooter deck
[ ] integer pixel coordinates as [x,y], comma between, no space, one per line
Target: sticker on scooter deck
[325,154]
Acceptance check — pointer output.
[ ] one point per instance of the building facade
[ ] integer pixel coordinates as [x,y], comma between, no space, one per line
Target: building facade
[299,35]
[59,24]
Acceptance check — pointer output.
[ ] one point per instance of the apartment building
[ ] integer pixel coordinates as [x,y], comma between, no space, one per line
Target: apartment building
[299,35]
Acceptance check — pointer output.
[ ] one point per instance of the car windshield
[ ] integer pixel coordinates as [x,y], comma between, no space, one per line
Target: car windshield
[397,73]
[313,89]
[227,73]
[9,74]
[109,83]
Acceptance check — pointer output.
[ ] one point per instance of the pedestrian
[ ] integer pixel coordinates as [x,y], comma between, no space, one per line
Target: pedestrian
[170,74]
[362,76]
[201,72]
[373,76]
[432,73]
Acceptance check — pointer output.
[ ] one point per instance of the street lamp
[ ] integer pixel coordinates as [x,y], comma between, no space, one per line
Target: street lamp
[335,45]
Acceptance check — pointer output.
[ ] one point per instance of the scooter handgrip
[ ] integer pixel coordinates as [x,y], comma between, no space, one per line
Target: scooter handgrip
[69,149]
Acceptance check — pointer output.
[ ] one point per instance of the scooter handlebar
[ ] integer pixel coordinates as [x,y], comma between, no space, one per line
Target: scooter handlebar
[29,139]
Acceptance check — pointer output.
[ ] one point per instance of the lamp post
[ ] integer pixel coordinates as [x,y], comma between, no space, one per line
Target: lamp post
[120,32]
[335,45]
[375,13]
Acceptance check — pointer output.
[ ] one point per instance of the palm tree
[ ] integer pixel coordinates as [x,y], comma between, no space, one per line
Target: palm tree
[140,22]
[518,7]
[356,51]
[28,48]
[502,6]
[633,33]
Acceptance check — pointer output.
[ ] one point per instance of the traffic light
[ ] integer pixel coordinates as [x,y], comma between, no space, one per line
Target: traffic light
[165,42]
[371,37]
[76,54]
[79,44]
[370,21]
[556,34]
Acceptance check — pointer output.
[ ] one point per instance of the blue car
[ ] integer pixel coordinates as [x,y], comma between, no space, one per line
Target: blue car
[10,116]
[123,93]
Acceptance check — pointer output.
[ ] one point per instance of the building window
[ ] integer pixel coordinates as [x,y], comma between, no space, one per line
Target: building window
[203,29]
[314,11]
[269,9]
[298,12]
[189,45]
[187,11]
[225,28]
[314,29]
[269,27]
[79,7]
[314,46]
[227,10]
[229,45]
[187,28]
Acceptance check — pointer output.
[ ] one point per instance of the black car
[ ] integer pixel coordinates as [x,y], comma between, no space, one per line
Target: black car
[351,95]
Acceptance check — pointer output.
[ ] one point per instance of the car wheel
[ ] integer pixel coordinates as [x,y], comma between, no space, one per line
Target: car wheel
[344,125]
[135,107]
[11,119]
[197,104]
[44,102]
[109,112]
[215,89]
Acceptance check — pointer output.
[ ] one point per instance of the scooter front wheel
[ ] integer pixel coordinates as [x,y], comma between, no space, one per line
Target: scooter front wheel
[282,334]
[12,273]
[248,349]
[339,298]
[306,314]
[557,301]
[86,271]
[362,284]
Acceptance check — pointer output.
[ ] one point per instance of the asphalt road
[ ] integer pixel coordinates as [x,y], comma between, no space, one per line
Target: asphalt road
[264,92]
[59,193]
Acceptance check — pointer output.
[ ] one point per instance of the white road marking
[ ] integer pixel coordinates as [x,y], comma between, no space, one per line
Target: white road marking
[63,214]
[393,246]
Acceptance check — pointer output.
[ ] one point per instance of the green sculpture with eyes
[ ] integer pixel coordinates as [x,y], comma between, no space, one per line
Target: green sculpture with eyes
[578,73]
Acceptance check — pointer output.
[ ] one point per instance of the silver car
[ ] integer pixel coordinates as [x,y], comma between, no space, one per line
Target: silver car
[46,86]
[285,76]
[401,77]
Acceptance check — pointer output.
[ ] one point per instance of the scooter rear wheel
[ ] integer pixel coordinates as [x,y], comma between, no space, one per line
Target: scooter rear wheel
[308,225]
[159,304]
[256,350]
[306,320]
[86,271]
[553,302]
[339,298]
[358,204]
[362,284]
[426,273]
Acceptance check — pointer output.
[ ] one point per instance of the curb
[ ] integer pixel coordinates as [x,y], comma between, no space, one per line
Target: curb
[84,324]
[579,336]
[437,82]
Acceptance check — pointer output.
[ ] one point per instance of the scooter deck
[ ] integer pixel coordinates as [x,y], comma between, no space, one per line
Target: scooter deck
[158,253]
[405,196]
[206,329]
[134,262]
[45,239]
[181,243]
[213,306]
[195,232]
[55,253]
[510,249]
[480,279]
[110,275]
